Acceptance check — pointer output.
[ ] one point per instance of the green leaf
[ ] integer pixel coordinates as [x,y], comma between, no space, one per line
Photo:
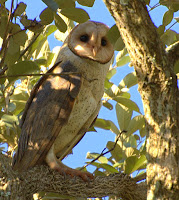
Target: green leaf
[113,34]
[169,37]
[21,7]
[11,107]
[107,105]
[119,45]
[51,4]
[124,115]
[160,30]
[22,67]
[122,61]
[127,102]
[113,91]
[107,84]
[135,124]
[102,123]
[108,168]
[142,132]
[77,14]
[137,137]
[65,3]
[46,16]
[130,151]
[88,3]
[49,30]
[60,24]
[111,73]
[133,163]
[167,18]
[117,152]
[9,118]
[99,173]
[130,141]
[129,80]
[101,159]
[114,128]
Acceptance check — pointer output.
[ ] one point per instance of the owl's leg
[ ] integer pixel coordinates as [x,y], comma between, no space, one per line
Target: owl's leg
[57,165]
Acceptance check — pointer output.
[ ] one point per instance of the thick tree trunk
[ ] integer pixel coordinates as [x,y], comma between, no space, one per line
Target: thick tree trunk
[14,186]
[157,85]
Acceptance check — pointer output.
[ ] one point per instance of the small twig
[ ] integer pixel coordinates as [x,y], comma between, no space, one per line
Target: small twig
[6,37]
[40,74]
[25,50]
[104,153]
[171,26]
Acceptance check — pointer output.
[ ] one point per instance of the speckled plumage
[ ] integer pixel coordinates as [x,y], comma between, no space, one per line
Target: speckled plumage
[62,108]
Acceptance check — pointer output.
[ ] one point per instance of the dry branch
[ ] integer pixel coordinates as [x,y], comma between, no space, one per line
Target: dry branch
[41,178]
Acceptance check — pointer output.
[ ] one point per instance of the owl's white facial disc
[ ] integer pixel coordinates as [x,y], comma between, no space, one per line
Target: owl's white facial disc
[89,40]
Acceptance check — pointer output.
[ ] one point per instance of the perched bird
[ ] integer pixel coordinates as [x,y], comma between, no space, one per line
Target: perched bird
[62,108]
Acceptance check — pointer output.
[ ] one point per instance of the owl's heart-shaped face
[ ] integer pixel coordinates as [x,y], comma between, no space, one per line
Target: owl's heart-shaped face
[89,40]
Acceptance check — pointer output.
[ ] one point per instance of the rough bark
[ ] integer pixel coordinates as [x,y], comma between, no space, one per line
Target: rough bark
[157,85]
[14,186]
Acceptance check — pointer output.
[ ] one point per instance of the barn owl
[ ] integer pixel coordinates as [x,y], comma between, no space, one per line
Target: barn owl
[61,109]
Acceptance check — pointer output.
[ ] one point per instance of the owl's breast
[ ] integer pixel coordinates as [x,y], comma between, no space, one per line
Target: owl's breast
[84,107]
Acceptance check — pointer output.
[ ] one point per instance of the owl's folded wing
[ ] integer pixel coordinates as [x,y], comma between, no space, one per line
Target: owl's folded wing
[47,110]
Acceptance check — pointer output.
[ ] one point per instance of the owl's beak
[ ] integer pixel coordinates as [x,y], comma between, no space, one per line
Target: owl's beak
[95,50]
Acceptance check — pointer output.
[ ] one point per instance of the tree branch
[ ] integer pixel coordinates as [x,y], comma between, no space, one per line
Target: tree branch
[41,178]
[173,52]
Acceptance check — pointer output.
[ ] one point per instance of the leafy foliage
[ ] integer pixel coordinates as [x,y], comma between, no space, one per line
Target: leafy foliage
[25,50]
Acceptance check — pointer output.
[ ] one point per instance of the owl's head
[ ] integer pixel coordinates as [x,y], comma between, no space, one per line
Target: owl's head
[89,40]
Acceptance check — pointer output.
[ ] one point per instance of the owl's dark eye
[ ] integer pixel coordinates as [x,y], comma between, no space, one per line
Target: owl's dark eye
[84,38]
[103,42]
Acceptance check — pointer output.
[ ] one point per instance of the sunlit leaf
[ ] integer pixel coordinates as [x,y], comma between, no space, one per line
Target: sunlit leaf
[130,151]
[127,102]
[117,152]
[108,168]
[77,14]
[135,124]
[133,163]
[101,159]
[129,80]
[123,61]
[102,123]
[124,115]
[111,73]
[114,128]
[9,118]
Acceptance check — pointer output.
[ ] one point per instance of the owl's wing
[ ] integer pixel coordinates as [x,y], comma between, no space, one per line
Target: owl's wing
[47,110]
